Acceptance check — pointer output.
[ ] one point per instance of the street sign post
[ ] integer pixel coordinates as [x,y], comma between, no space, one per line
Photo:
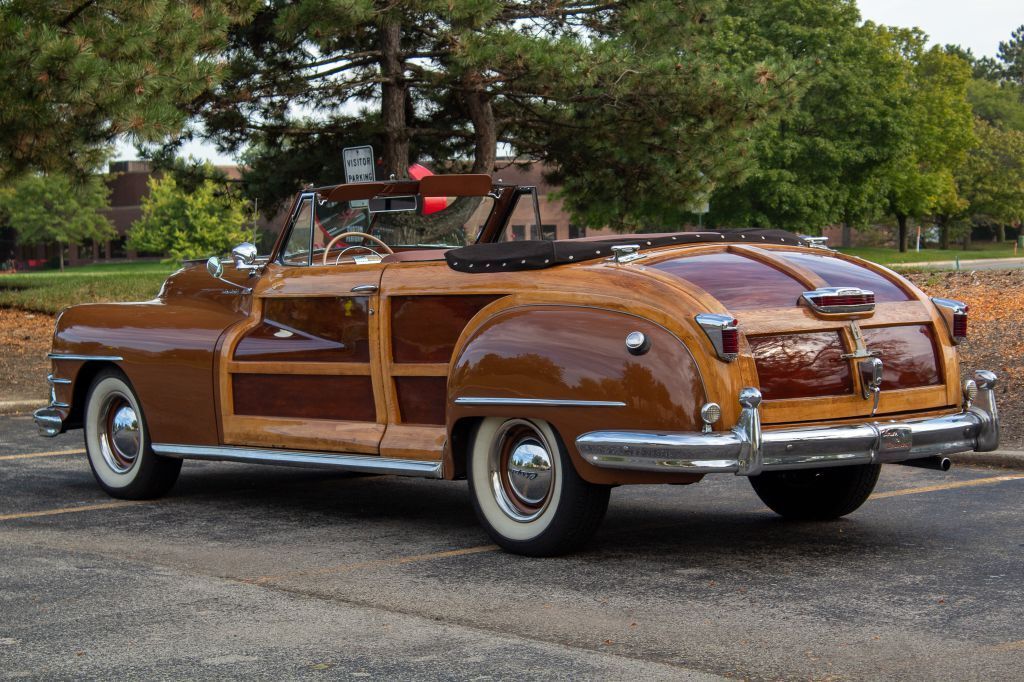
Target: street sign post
[359,165]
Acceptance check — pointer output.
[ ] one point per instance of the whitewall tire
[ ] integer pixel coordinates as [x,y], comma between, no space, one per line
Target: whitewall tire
[526,492]
[118,445]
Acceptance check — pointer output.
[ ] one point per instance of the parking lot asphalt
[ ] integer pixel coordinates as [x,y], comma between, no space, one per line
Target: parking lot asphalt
[273,573]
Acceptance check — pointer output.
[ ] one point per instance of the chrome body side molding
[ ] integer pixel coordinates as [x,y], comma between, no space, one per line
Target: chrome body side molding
[539,402]
[367,464]
[747,450]
[74,356]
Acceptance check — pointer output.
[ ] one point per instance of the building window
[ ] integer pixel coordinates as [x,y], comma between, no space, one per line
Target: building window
[576,232]
[548,232]
[518,233]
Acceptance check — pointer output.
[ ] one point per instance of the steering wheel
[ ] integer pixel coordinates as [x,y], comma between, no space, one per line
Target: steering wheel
[355,234]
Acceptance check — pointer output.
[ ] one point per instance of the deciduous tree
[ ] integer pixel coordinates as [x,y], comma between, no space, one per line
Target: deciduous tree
[206,219]
[919,179]
[44,209]
[820,163]
[991,178]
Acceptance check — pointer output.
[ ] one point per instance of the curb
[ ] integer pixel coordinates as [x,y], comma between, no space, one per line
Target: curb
[1005,459]
[20,406]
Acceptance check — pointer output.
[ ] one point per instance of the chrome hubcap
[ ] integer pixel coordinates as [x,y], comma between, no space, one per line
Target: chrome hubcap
[521,470]
[120,434]
[529,471]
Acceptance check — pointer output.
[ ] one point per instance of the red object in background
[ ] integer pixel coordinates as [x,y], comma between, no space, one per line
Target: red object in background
[430,204]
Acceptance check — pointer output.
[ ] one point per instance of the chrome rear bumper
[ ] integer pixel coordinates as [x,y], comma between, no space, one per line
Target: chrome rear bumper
[747,450]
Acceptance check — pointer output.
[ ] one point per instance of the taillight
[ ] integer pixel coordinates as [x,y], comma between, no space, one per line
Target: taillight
[960,324]
[839,300]
[731,341]
[954,313]
[723,332]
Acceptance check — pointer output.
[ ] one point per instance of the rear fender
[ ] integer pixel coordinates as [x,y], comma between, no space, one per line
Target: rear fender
[574,361]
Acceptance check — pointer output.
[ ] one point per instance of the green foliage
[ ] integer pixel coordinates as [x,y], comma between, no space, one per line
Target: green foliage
[634,104]
[53,208]
[206,221]
[920,180]
[819,164]
[1011,54]
[992,176]
[75,75]
[1000,104]
[650,114]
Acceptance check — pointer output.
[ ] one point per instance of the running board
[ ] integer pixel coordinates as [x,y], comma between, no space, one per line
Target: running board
[367,464]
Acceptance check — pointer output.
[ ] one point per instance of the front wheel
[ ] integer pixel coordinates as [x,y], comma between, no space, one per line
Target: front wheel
[817,494]
[526,491]
[117,442]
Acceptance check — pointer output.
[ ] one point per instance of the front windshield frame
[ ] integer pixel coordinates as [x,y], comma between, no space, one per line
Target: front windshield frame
[357,217]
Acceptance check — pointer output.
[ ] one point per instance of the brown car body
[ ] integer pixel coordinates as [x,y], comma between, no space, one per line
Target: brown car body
[400,359]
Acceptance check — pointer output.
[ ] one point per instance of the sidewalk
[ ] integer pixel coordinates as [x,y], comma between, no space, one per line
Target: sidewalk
[972,264]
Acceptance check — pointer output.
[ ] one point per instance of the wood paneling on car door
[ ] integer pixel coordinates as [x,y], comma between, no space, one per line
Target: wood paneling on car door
[329,329]
[425,328]
[304,396]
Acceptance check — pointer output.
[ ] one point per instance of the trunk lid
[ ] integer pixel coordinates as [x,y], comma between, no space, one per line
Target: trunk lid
[805,358]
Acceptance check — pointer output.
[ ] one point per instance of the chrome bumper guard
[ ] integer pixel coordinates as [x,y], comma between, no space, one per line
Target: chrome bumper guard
[747,450]
[50,419]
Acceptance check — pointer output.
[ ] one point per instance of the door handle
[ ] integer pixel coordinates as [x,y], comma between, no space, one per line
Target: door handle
[364,289]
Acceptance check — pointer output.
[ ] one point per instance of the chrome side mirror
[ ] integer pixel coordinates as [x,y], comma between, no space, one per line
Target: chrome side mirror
[215,267]
[244,256]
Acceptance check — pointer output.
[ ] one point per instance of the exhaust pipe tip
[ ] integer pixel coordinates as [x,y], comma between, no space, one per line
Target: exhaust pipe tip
[936,462]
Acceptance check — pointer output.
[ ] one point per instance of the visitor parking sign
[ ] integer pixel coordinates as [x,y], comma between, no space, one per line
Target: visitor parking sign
[359,166]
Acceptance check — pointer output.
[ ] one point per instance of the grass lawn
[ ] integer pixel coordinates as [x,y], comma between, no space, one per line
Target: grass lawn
[894,257]
[49,291]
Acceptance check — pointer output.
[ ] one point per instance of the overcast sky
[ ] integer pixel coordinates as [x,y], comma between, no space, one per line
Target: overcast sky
[977,24]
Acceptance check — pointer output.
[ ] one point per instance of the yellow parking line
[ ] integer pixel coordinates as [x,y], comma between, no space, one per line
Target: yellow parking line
[948,486]
[398,561]
[72,510]
[52,453]
[1008,646]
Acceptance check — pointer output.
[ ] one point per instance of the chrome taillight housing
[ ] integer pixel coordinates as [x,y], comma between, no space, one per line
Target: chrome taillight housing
[723,332]
[954,313]
[839,300]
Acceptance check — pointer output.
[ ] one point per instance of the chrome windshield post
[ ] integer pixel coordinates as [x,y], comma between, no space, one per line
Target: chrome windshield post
[984,407]
[748,428]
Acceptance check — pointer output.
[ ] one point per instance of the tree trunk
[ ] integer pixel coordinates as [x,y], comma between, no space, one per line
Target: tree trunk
[481,114]
[943,231]
[1001,233]
[60,251]
[901,220]
[392,103]
[847,238]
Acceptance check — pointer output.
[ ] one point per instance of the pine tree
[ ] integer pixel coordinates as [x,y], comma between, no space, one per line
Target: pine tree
[636,106]
[76,75]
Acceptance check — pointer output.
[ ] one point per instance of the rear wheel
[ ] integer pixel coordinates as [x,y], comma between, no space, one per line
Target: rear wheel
[526,491]
[118,445]
[816,494]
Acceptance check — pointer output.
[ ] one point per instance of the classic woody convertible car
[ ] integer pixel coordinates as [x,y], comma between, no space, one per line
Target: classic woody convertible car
[377,338]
